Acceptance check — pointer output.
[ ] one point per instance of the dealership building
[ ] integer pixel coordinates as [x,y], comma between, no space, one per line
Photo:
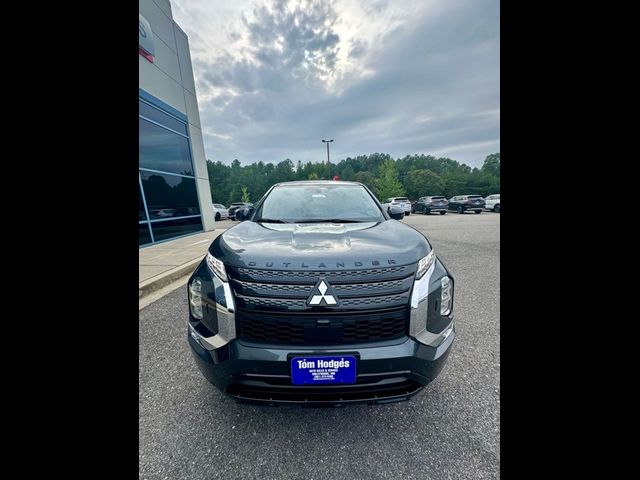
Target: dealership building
[174,195]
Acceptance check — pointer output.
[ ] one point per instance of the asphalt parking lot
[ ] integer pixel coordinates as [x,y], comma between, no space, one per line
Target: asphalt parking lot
[189,430]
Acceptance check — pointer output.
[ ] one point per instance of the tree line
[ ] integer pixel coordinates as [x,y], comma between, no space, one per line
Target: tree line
[413,176]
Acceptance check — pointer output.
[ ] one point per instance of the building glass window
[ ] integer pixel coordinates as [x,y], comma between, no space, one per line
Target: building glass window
[141,213]
[151,113]
[168,190]
[162,149]
[144,237]
[169,195]
[175,228]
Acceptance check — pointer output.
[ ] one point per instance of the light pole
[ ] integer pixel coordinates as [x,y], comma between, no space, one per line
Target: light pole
[327,142]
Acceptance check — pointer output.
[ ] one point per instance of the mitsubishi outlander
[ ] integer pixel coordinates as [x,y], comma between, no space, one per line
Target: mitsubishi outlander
[320,297]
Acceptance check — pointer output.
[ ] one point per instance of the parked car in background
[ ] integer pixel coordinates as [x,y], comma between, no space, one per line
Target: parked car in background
[492,202]
[163,213]
[402,202]
[220,211]
[462,203]
[235,206]
[427,205]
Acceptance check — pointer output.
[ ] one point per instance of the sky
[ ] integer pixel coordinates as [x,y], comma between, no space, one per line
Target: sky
[275,77]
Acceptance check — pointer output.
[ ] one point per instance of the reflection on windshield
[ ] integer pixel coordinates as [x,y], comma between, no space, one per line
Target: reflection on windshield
[319,203]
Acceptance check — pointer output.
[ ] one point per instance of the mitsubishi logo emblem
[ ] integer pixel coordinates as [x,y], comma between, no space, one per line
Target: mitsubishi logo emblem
[328,298]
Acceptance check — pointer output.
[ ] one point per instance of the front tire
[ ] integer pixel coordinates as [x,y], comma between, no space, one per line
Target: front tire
[478,211]
[217,217]
[496,208]
[460,210]
[443,213]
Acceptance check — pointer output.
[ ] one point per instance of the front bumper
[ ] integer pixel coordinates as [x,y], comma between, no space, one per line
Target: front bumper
[387,372]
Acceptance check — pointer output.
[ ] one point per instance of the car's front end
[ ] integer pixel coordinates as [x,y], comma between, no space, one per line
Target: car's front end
[231,212]
[321,313]
[245,332]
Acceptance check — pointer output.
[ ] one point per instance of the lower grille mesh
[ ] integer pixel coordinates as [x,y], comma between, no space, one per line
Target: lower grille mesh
[321,330]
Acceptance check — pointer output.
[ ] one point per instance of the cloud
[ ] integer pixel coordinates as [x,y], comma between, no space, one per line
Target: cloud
[367,74]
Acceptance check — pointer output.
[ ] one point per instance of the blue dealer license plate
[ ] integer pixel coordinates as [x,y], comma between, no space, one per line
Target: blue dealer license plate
[323,370]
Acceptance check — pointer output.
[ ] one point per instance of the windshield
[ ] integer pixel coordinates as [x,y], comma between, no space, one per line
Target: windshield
[319,202]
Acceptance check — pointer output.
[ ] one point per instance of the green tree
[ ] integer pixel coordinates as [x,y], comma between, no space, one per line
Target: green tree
[423,182]
[374,170]
[492,164]
[388,183]
[245,195]
[347,173]
[368,179]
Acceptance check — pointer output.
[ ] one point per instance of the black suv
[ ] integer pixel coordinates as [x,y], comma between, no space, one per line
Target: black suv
[235,206]
[434,204]
[320,297]
[462,203]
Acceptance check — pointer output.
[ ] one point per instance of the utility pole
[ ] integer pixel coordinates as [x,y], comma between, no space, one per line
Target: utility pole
[327,142]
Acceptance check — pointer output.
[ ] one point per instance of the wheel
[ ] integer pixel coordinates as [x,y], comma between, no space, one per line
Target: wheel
[427,211]
[217,216]
[478,211]
[496,208]
[460,210]
[407,214]
[442,213]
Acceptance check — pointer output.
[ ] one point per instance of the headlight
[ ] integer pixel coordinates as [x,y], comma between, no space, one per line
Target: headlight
[217,267]
[446,297]
[425,263]
[195,298]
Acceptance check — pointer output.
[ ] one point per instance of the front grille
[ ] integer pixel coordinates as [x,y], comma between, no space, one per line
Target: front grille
[301,304]
[372,274]
[333,329]
[271,305]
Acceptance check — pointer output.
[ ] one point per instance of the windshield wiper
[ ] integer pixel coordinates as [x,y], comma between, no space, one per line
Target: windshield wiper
[330,220]
[271,220]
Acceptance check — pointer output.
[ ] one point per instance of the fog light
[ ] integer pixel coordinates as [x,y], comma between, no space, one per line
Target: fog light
[446,297]
[195,298]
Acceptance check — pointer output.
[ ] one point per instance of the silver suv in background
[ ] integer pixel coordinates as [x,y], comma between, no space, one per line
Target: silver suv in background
[220,211]
[492,202]
[402,202]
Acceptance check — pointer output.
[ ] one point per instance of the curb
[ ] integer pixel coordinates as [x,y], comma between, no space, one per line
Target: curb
[164,279]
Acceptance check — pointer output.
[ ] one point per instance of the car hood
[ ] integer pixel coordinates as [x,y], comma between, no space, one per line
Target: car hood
[318,246]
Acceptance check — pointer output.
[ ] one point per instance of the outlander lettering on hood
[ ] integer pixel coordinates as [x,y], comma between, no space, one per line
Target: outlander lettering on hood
[319,297]
[293,266]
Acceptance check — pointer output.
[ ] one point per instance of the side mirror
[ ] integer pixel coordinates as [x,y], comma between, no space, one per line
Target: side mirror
[396,213]
[244,213]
